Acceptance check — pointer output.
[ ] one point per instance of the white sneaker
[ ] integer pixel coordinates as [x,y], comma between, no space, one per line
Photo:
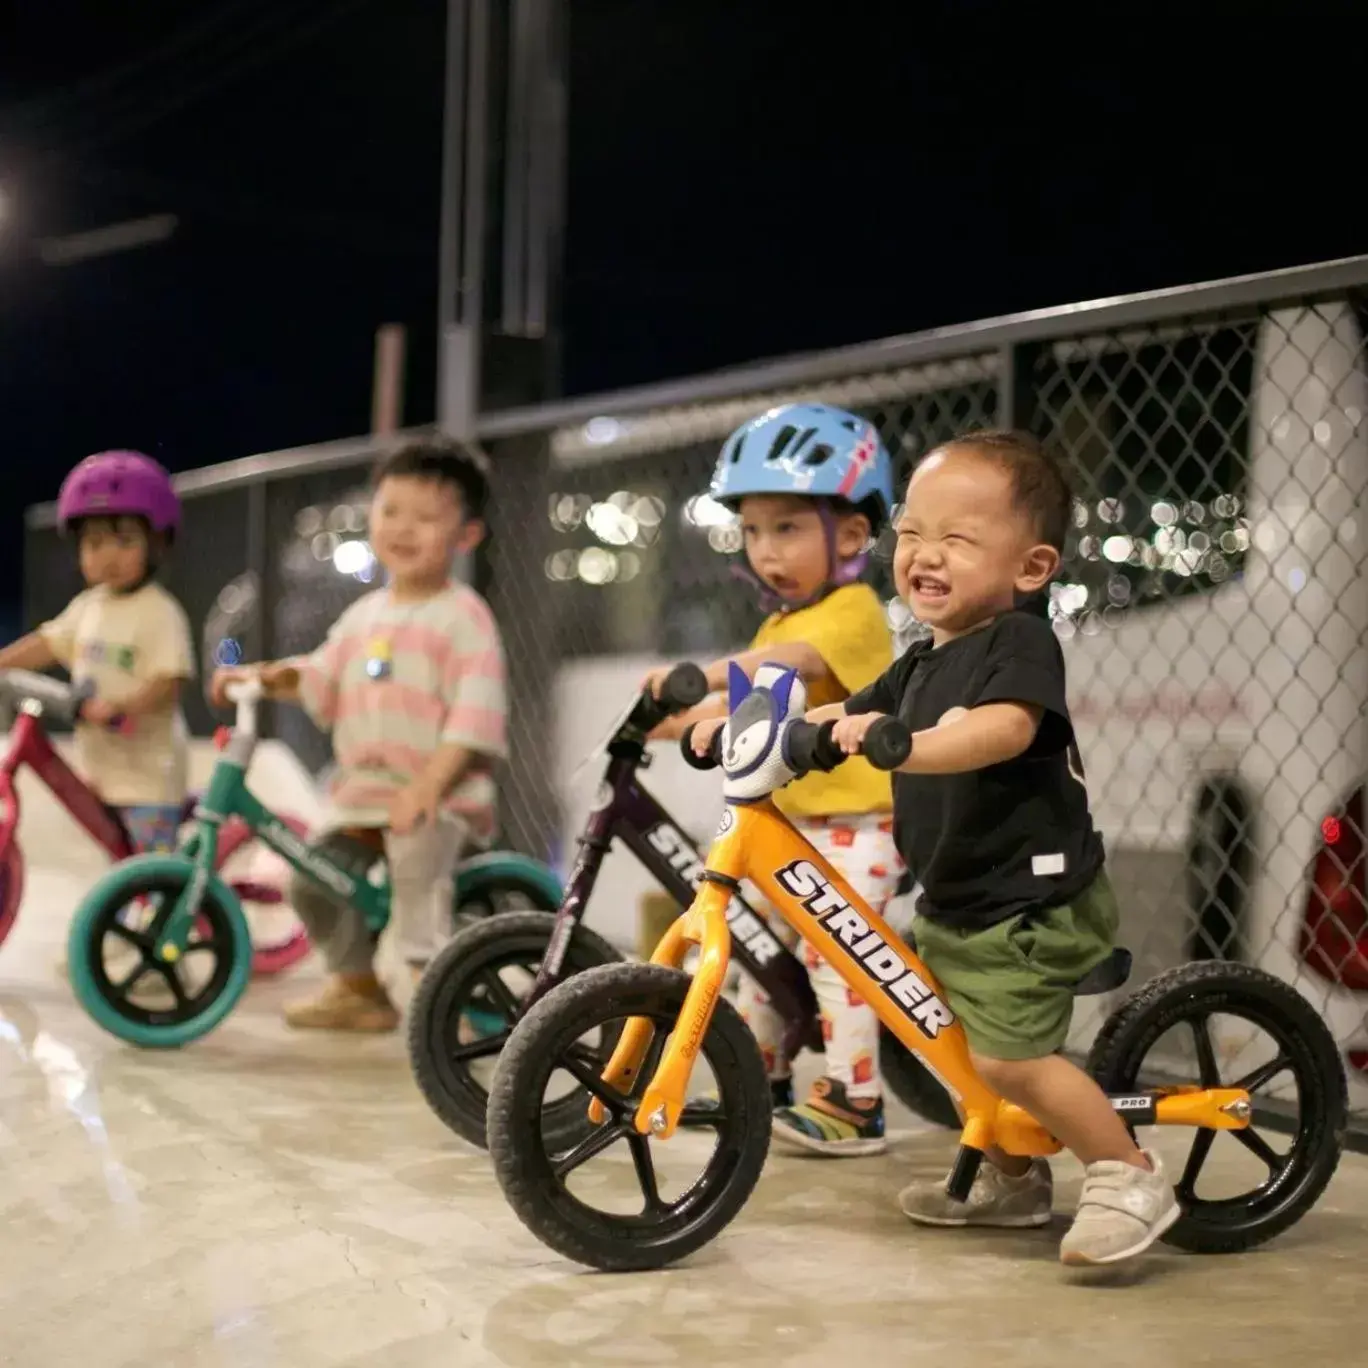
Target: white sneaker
[1122,1210]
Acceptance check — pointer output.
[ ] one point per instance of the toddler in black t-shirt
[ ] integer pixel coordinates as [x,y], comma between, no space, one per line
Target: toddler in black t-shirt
[991,814]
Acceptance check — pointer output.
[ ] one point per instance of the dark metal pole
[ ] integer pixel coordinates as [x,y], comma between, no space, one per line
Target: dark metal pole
[461,251]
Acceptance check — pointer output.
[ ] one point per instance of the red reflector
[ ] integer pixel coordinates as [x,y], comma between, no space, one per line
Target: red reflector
[1330,829]
[222,735]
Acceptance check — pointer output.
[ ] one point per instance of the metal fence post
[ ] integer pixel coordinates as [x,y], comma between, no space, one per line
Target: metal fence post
[259,640]
[1016,407]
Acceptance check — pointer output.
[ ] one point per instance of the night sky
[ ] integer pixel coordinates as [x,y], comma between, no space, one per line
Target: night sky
[743,181]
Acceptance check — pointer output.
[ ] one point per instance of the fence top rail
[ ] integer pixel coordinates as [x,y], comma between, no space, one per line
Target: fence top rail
[935,344]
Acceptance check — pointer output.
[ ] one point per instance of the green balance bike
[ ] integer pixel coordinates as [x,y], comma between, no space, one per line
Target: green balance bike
[159,950]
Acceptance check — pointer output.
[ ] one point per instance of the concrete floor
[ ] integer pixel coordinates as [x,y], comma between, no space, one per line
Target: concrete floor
[262,1199]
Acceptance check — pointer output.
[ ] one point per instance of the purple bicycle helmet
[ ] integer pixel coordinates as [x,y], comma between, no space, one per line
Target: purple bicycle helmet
[113,484]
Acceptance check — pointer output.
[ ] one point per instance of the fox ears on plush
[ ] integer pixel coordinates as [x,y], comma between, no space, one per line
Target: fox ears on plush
[780,681]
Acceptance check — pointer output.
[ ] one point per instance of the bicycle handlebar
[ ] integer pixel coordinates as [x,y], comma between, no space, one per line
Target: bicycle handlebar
[246,693]
[56,695]
[680,690]
[809,746]
[59,698]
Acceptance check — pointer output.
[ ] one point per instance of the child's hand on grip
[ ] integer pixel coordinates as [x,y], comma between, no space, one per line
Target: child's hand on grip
[98,712]
[849,731]
[704,732]
[223,677]
[654,680]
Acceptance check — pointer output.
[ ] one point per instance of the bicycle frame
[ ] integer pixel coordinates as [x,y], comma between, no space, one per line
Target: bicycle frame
[627,812]
[755,841]
[31,746]
[227,796]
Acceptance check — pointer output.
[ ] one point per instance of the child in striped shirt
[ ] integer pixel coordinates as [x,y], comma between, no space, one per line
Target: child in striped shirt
[410,682]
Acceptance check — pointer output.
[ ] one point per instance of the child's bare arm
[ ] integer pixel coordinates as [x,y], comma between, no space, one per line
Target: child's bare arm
[30,652]
[672,728]
[986,735]
[797,655]
[280,679]
[444,767]
[828,712]
[154,696]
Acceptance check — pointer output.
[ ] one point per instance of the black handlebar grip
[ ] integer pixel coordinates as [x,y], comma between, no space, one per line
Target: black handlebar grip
[887,743]
[808,746]
[701,762]
[684,686]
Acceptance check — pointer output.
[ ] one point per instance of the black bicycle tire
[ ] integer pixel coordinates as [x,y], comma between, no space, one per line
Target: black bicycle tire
[913,1084]
[455,1097]
[1120,1047]
[505,883]
[521,1165]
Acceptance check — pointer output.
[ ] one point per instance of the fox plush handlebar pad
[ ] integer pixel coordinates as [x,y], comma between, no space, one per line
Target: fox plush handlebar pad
[810,746]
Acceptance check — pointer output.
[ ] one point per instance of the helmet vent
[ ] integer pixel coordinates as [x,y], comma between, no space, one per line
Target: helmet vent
[819,455]
[782,438]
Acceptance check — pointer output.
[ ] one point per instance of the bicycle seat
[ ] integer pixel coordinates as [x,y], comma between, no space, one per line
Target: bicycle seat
[1104,977]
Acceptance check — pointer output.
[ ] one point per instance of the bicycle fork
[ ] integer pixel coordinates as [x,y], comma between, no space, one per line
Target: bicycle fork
[171,927]
[704,925]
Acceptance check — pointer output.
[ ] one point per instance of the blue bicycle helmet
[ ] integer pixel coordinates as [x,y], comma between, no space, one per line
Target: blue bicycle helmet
[812,450]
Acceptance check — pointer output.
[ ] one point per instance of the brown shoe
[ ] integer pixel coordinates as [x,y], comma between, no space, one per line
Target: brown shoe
[345,1005]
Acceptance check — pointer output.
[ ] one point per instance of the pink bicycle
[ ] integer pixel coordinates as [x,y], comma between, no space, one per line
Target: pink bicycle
[33,697]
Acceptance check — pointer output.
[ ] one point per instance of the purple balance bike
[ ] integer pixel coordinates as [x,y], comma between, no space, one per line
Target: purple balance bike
[465,1008]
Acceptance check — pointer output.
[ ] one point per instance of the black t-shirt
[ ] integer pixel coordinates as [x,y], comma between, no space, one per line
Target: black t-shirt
[1012,838]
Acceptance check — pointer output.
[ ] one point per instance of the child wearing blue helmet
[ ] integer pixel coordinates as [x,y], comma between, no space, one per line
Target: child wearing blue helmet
[812,486]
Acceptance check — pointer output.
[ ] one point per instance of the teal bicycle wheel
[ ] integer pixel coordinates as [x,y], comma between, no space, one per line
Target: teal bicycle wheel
[130,992]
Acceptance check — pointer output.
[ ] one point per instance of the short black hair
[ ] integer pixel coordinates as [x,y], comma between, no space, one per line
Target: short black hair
[1039,486]
[459,467]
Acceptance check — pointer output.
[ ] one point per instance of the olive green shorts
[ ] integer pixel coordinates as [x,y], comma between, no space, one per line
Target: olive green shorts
[1012,985]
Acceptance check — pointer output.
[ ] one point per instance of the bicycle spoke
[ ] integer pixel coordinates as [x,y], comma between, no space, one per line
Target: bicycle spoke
[1259,1147]
[595,1143]
[1186,1187]
[173,981]
[645,1168]
[499,992]
[698,1116]
[1265,1073]
[125,984]
[127,933]
[585,1055]
[479,1049]
[1208,1069]
[587,1076]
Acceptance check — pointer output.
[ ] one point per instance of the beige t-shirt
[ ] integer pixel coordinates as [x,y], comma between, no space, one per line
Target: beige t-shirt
[121,642]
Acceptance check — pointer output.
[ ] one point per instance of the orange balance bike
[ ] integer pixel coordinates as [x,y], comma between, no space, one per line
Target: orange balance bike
[633,1035]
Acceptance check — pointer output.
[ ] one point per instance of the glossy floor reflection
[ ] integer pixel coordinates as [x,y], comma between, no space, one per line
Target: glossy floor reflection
[273,1200]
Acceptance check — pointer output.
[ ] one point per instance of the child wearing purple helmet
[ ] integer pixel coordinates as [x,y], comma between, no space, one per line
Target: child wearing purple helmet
[126,635]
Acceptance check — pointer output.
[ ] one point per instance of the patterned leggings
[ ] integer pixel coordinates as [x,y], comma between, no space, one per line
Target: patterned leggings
[152,826]
[862,850]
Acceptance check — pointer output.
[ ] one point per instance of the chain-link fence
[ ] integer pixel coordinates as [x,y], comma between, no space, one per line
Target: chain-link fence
[1213,601]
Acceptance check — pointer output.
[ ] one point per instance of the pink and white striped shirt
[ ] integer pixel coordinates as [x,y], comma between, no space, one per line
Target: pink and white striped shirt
[445,684]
